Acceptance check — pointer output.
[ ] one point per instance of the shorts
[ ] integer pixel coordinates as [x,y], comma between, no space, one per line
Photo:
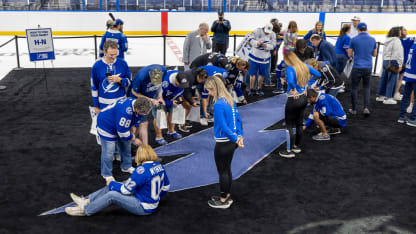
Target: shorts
[165,108]
[261,68]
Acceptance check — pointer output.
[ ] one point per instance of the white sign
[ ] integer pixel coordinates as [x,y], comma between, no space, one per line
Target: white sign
[40,44]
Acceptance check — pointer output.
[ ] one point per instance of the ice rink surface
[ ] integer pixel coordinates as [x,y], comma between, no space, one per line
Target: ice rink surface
[141,52]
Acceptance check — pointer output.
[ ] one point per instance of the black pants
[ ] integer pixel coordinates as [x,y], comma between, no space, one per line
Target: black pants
[294,111]
[222,48]
[223,153]
[273,60]
[329,121]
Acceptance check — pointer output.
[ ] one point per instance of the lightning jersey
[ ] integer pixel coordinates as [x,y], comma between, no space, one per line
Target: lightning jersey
[141,82]
[410,71]
[328,105]
[236,78]
[114,121]
[119,38]
[260,54]
[170,91]
[148,182]
[103,91]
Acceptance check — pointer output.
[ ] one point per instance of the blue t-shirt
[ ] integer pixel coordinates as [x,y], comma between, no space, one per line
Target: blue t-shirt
[326,52]
[141,82]
[342,44]
[363,45]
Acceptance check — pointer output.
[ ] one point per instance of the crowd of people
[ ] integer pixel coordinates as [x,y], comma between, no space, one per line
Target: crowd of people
[312,71]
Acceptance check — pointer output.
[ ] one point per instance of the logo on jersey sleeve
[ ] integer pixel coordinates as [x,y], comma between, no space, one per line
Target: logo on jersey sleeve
[322,97]
[140,170]
[165,84]
[129,110]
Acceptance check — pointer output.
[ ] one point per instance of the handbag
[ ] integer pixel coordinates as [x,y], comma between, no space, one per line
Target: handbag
[393,68]
[178,115]
[161,119]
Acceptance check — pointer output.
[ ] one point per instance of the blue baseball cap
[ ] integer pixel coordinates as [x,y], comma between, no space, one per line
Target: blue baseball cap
[362,26]
[118,22]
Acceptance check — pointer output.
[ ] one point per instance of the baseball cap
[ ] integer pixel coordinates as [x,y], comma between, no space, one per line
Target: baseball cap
[109,23]
[362,26]
[268,28]
[182,79]
[274,20]
[356,18]
[156,76]
[118,22]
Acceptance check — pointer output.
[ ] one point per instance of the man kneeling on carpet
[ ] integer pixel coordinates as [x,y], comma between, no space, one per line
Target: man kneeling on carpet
[326,112]
[139,195]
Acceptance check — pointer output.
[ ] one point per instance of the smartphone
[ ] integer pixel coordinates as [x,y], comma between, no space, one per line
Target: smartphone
[107,74]
[179,102]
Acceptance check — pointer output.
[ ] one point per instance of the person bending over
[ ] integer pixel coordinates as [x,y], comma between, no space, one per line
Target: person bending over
[228,133]
[214,58]
[297,75]
[327,111]
[139,195]
[330,80]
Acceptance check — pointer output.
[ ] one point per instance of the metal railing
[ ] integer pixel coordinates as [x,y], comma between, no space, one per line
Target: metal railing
[95,37]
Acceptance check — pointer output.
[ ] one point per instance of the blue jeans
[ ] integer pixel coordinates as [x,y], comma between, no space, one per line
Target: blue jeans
[107,153]
[104,198]
[408,89]
[279,70]
[267,77]
[388,81]
[341,62]
[356,75]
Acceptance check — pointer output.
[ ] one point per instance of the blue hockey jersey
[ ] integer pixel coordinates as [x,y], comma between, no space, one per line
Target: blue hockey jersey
[170,91]
[105,92]
[114,121]
[328,105]
[410,71]
[149,182]
[141,82]
[227,122]
[236,78]
[212,70]
[116,36]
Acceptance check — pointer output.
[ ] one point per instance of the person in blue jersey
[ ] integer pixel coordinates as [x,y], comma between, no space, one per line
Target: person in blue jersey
[341,47]
[148,84]
[235,79]
[173,86]
[215,59]
[110,77]
[262,41]
[330,80]
[410,86]
[363,47]
[297,77]
[228,133]
[325,50]
[326,112]
[139,195]
[407,42]
[115,33]
[115,126]
[318,29]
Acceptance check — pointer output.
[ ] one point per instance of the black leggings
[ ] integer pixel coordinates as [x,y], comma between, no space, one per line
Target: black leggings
[294,112]
[223,153]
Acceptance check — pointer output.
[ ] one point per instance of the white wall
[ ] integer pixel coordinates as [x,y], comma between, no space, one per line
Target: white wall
[180,22]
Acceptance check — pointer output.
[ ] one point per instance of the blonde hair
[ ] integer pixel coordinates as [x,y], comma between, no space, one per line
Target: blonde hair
[145,153]
[241,62]
[302,71]
[292,27]
[215,83]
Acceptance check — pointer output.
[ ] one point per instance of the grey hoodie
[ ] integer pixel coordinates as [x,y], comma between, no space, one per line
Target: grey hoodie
[393,50]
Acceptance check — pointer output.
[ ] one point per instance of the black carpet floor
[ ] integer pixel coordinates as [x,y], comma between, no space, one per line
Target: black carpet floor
[362,181]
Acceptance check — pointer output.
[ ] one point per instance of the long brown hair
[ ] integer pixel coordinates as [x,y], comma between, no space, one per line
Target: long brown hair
[216,84]
[302,71]
[315,29]
[345,28]
[292,27]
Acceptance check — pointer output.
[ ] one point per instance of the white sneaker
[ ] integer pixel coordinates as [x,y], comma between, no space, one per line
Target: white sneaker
[341,90]
[80,201]
[398,97]
[130,170]
[204,122]
[390,101]
[380,98]
[410,108]
[108,178]
[75,211]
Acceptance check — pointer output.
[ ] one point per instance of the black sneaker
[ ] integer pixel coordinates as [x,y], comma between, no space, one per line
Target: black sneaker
[287,154]
[296,149]
[219,204]
[188,124]
[183,128]
[334,131]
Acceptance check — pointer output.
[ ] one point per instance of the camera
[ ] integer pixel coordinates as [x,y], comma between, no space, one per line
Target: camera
[221,18]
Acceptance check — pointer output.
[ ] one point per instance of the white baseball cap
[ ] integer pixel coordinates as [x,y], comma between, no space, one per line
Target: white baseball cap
[268,28]
[356,18]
